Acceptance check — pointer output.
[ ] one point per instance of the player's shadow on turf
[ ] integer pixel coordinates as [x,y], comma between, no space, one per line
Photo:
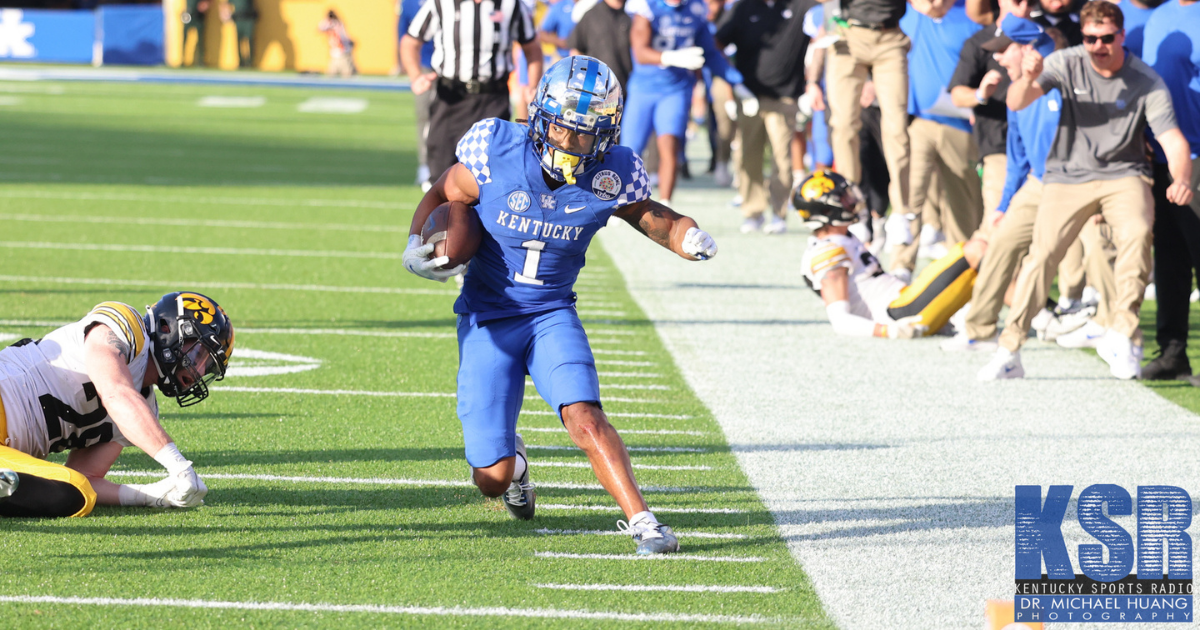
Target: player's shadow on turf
[994,512]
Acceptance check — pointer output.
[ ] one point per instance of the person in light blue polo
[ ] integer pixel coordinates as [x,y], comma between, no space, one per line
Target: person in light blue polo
[939,137]
[557,25]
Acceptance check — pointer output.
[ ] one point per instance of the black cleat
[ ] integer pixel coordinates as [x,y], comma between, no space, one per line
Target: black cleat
[1170,364]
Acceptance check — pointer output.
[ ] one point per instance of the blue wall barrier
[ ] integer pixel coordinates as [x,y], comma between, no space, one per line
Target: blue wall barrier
[131,35]
[37,35]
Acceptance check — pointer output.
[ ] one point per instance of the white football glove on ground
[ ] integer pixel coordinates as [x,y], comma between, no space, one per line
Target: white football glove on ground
[188,490]
[698,243]
[691,58]
[146,495]
[418,262]
[748,99]
[907,328]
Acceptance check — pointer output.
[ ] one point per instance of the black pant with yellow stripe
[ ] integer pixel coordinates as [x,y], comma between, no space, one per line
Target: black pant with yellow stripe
[936,295]
[46,489]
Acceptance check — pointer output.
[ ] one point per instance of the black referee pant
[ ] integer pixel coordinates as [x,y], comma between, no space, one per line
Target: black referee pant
[1176,254]
[451,115]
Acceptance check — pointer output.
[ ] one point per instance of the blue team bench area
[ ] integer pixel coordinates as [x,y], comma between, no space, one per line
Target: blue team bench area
[129,35]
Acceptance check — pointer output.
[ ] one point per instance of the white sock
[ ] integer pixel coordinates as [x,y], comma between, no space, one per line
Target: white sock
[643,517]
[519,467]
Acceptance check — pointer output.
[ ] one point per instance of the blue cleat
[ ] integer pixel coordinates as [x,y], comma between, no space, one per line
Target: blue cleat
[520,498]
[651,537]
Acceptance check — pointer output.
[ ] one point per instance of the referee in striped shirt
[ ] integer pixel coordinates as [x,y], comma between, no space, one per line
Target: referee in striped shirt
[472,58]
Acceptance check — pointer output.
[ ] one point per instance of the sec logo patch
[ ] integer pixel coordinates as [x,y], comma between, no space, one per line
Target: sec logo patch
[519,201]
[606,185]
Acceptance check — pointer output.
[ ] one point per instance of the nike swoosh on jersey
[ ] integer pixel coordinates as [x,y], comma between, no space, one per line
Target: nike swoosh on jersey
[1080,91]
[570,210]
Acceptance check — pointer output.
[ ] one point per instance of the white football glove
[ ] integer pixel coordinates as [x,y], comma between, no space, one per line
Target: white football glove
[417,260]
[146,495]
[691,58]
[907,328]
[748,99]
[698,243]
[189,489]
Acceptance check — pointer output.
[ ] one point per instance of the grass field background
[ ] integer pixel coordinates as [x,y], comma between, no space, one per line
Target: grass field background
[294,222]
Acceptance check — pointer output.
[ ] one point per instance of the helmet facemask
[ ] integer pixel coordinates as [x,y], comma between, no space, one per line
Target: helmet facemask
[192,340]
[580,96]
[827,199]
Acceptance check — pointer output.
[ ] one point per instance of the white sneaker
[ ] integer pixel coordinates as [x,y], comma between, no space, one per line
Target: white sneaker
[721,175]
[777,225]
[1091,296]
[1004,365]
[736,202]
[929,235]
[962,343]
[1087,336]
[897,230]
[902,274]
[1118,352]
[752,224]
[1041,321]
[1066,323]
[1195,296]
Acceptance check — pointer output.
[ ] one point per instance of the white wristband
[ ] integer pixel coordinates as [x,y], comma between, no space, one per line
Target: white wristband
[171,459]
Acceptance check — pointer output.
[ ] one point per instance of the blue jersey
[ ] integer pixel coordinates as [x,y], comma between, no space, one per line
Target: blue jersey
[1031,131]
[558,21]
[1172,48]
[535,238]
[675,28]
[1135,25]
[936,46]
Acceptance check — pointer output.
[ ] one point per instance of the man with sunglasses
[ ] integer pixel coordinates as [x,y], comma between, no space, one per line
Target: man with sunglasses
[88,388]
[1096,164]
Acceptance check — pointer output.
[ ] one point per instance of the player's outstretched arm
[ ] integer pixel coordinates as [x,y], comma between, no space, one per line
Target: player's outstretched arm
[835,292]
[105,360]
[670,229]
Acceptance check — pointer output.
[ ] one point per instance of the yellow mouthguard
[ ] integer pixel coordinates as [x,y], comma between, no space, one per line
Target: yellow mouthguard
[566,163]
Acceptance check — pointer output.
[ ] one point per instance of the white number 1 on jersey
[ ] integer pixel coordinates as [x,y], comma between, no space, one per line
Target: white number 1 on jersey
[533,256]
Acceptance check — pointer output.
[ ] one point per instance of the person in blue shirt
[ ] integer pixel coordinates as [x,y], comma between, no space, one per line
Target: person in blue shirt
[1171,45]
[408,10]
[670,40]
[940,137]
[1136,14]
[557,25]
[542,192]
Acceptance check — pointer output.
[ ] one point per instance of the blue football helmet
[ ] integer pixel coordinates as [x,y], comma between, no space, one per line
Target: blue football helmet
[581,95]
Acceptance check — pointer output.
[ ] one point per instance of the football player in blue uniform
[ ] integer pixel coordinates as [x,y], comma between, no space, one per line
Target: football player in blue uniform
[542,192]
[671,40]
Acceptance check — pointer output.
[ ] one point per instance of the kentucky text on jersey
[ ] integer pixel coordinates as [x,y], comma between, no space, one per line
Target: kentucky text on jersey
[527,225]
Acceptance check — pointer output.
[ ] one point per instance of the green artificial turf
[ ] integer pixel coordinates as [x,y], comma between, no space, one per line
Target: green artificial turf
[233,202]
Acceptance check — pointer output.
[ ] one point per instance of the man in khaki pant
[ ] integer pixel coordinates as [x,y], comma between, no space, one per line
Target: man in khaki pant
[872,43]
[1096,164]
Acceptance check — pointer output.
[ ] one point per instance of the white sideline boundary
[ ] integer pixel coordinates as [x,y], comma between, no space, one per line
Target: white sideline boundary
[213,251]
[439,611]
[225,285]
[359,392]
[674,557]
[636,466]
[889,451]
[649,588]
[379,481]
[616,532]
[213,223]
[622,431]
[235,201]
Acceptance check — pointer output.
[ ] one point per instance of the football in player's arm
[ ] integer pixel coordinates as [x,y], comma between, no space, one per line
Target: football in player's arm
[542,192]
[862,300]
[88,388]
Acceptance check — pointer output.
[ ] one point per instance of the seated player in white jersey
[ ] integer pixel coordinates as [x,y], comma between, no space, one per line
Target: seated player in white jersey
[88,388]
[860,298]
[542,192]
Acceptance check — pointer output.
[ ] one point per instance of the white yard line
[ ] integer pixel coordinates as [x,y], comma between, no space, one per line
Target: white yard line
[617,532]
[213,223]
[656,510]
[673,557]
[346,333]
[632,353]
[229,201]
[253,286]
[666,588]
[330,392]
[630,374]
[437,611]
[212,251]
[891,471]
[560,429]
[636,466]
[626,363]
[384,481]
